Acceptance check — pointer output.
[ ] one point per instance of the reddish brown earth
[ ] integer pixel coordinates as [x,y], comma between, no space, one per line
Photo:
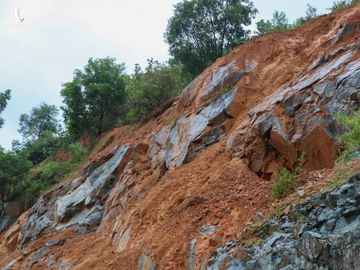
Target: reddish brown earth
[216,188]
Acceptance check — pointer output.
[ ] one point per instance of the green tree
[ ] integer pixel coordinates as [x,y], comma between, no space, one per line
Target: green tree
[151,88]
[95,99]
[40,130]
[13,169]
[4,98]
[42,119]
[311,13]
[279,22]
[200,31]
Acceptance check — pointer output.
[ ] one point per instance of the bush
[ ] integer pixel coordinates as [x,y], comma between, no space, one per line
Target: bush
[42,177]
[350,140]
[19,182]
[13,169]
[77,152]
[151,88]
[284,184]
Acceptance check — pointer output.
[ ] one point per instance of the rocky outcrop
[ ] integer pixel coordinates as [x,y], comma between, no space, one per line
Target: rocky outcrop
[79,202]
[180,143]
[301,119]
[9,212]
[322,233]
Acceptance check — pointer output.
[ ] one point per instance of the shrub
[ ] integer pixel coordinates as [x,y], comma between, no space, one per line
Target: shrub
[77,152]
[149,89]
[284,184]
[350,140]
[13,169]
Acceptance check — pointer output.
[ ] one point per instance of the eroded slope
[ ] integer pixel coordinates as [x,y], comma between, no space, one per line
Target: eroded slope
[166,194]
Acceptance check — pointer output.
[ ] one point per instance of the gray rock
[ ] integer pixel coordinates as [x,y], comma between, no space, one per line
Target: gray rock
[225,76]
[192,255]
[346,30]
[187,138]
[207,229]
[300,192]
[328,238]
[74,203]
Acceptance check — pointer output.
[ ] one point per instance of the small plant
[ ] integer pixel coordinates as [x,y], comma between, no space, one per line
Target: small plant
[266,225]
[350,140]
[284,184]
[300,220]
[286,180]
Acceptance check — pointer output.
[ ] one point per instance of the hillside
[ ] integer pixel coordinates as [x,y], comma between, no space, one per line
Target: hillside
[184,189]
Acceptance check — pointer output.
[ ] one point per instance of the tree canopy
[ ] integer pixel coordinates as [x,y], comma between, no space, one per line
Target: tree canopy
[152,87]
[200,31]
[95,98]
[13,169]
[41,120]
[4,98]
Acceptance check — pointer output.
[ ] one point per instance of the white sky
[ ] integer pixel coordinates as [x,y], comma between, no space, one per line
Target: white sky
[58,36]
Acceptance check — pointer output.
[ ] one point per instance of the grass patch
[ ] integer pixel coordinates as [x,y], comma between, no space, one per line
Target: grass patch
[349,147]
[343,171]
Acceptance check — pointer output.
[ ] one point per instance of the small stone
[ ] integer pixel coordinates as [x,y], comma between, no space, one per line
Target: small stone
[258,217]
[301,193]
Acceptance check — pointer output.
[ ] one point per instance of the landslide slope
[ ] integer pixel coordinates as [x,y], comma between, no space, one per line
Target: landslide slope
[166,194]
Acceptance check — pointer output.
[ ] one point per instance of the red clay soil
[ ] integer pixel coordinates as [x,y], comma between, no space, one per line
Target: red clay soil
[214,189]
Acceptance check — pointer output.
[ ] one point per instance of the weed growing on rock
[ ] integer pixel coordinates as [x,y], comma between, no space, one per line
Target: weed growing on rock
[349,156]
[300,220]
[350,140]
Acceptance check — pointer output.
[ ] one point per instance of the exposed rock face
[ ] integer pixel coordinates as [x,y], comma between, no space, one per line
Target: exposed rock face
[300,119]
[188,136]
[322,233]
[80,202]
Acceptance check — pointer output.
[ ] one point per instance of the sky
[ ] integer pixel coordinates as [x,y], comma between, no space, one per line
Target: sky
[56,37]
